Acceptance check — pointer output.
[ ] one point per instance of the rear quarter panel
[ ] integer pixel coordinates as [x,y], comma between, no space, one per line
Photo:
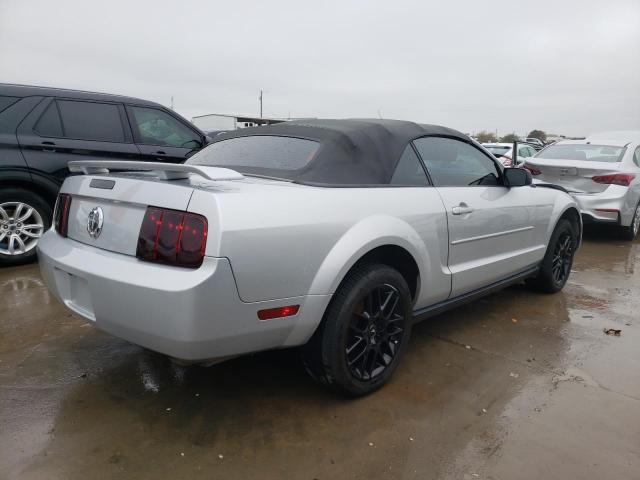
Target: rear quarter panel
[289,240]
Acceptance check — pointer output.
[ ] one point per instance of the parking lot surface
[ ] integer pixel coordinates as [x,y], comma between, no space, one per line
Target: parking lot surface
[519,385]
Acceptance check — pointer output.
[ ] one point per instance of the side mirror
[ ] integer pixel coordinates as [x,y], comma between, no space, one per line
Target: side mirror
[517,177]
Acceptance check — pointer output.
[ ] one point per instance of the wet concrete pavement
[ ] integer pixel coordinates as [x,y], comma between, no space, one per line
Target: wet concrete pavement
[519,385]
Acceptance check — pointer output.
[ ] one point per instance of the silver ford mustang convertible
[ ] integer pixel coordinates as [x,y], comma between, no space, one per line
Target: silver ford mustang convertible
[334,235]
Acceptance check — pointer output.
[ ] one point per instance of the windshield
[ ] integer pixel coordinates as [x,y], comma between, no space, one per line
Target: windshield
[593,153]
[264,155]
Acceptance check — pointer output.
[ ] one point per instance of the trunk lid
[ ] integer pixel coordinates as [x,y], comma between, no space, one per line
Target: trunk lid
[574,175]
[122,200]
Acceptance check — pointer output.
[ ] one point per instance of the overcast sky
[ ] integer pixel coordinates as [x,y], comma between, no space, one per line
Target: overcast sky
[568,67]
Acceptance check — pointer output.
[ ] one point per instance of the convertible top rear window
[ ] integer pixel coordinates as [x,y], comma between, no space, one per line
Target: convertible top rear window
[267,155]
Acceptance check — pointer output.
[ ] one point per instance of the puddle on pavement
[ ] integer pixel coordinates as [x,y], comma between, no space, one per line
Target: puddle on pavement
[77,403]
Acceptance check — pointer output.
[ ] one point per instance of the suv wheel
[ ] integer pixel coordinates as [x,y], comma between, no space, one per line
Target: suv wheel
[558,260]
[24,217]
[364,332]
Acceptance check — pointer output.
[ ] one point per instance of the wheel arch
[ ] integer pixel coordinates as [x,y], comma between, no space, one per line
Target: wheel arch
[41,187]
[380,238]
[564,206]
[383,239]
[573,216]
[393,256]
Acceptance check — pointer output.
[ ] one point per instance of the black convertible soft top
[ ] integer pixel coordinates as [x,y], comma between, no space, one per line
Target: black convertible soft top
[351,152]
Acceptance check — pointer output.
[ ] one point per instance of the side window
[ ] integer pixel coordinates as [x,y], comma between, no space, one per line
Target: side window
[91,121]
[7,101]
[453,163]
[525,151]
[49,125]
[409,171]
[636,157]
[155,127]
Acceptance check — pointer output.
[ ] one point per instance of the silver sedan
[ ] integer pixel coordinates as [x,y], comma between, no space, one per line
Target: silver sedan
[601,172]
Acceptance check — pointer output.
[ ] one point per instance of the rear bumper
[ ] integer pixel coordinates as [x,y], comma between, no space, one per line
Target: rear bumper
[183,313]
[588,219]
[612,206]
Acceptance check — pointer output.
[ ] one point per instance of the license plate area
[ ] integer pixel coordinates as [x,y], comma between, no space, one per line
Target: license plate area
[560,171]
[74,292]
[119,227]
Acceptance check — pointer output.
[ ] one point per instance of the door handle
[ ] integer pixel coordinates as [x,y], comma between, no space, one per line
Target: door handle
[46,146]
[462,209]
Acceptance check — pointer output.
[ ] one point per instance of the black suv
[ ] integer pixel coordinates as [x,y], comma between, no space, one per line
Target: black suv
[42,129]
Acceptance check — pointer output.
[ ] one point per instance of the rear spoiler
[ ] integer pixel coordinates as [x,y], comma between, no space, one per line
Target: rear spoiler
[164,171]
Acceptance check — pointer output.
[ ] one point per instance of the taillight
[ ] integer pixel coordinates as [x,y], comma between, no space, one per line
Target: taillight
[507,161]
[623,179]
[533,170]
[172,237]
[61,214]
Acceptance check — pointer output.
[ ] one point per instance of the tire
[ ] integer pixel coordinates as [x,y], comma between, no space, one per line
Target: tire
[336,358]
[17,243]
[558,259]
[630,232]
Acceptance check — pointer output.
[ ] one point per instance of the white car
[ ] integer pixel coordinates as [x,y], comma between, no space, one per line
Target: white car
[504,152]
[535,142]
[601,172]
[334,235]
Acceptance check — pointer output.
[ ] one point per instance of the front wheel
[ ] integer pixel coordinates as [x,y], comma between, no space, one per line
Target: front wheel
[558,260]
[364,332]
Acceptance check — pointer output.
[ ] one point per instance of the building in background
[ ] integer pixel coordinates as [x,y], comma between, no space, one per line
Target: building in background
[214,123]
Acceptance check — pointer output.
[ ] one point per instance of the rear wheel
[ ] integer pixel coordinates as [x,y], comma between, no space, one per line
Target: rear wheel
[558,260]
[364,332]
[630,232]
[24,217]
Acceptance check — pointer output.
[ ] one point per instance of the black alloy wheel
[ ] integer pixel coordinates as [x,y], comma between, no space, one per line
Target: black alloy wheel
[555,267]
[364,332]
[375,332]
[562,258]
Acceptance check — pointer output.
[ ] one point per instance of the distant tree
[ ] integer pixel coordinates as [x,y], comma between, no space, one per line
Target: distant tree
[486,137]
[510,138]
[539,134]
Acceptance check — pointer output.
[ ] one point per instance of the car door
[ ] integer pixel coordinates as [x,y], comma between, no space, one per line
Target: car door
[162,137]
[422,209]
[494,231]
[60,130]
